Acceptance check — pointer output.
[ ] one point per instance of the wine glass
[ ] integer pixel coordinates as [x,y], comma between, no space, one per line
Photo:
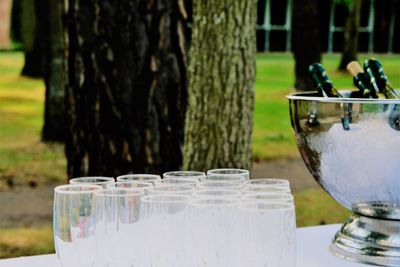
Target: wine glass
[269,234]
[165,217]
[74,224]
[213,228]
[119,226]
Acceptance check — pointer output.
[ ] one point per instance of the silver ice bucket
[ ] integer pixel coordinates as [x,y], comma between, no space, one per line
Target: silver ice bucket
[352,148]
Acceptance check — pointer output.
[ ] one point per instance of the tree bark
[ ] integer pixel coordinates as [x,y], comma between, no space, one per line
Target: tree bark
[53,50]
[350,47]
[127,86]
[305,41]
[219,119]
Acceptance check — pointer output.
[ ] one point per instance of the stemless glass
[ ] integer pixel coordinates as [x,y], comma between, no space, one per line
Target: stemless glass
[95,180]
[166,228]
[230,171]
[214,229]
[74,224]
[269,234]
[266,182]
[199,176]
[150,178]
[233,185]
[119,229]
[217,193]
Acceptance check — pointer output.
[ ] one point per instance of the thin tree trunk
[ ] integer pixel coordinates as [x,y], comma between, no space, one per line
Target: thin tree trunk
[5,19]
[219,119]
[305,41]
[54,116]
[127,86]
[32,37]
[350,47]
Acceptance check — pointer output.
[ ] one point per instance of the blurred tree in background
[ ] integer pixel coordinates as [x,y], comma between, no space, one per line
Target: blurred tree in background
[219,119]
[37,26]
[305,42]
[25,21]
[351,32]
[5,20]
[126,87]
[15,27]
[53,60]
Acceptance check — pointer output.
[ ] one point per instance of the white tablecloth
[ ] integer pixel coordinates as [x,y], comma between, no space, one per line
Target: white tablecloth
[312,251]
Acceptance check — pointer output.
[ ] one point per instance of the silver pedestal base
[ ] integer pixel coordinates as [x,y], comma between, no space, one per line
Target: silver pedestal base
[369,240]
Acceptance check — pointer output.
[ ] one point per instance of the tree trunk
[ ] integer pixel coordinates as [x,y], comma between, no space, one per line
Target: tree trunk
[32,37]
[350,47]
[219,119]
[16,13]
[305,41]
[127,86]
[5,19]
[54,115]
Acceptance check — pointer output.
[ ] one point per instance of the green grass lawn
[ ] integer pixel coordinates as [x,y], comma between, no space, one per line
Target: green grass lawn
[23,158]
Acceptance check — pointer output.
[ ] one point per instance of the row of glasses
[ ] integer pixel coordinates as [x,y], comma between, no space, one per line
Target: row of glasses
[152,178]
[208,221]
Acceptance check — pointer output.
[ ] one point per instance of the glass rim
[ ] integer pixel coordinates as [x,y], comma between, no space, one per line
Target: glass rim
[184,174]
[226,177]
[175,189]
[183,180]
[277,206]
[91,188]
[311,96]
[223,184]
[265,193]
[278,197]
[240,171]
[126,191]
[274,182]
[102,180]
[227,202]
[235,193]
[115,185]
[179,198]
[183,186]
[138,175]
[274,189]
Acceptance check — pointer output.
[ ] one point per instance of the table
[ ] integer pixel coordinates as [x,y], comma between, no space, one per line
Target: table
[312,251]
